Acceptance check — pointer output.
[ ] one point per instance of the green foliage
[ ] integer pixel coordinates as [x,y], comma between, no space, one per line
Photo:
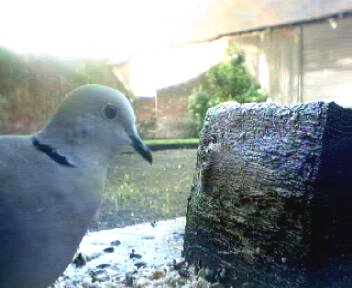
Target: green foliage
[12,71]
[198,103]
[31,87]
[226,81]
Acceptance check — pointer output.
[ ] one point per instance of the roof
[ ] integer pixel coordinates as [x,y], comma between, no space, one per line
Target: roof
[225,17]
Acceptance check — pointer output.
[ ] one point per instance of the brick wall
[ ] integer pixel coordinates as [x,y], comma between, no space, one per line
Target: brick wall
[166,116]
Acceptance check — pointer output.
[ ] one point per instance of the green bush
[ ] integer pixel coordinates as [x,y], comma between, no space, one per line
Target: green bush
[198,103]
[226,81]
[32,87]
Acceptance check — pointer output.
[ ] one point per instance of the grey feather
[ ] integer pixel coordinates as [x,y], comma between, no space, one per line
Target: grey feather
[46,206]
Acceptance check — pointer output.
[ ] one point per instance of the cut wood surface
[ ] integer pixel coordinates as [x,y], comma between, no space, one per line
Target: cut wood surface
[271,195]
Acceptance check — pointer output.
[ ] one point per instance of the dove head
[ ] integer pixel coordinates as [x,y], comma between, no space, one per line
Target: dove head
[93,121]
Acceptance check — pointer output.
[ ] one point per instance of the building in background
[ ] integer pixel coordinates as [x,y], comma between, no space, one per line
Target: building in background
[299,51]
[302,62]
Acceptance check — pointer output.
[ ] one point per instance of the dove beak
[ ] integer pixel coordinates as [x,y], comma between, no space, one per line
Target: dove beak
[141,148]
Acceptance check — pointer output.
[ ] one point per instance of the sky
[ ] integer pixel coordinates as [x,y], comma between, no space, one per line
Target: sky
[144,31]
[115,29]
[169,66]
[109,29]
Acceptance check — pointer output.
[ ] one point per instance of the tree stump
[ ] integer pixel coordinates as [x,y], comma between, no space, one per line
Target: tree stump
[271,201]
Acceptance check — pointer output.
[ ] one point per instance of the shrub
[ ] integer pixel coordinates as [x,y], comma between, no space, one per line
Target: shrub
[198,104]
[226,81]
[31,87]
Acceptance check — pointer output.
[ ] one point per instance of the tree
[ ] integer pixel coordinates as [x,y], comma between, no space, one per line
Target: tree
[226,81]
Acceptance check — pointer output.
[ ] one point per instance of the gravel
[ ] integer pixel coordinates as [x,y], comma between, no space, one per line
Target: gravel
[159,262]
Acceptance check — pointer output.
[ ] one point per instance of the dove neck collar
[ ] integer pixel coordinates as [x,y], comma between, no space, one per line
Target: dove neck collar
[52,153]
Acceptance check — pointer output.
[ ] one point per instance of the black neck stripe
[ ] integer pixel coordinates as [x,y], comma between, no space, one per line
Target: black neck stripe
[51,153]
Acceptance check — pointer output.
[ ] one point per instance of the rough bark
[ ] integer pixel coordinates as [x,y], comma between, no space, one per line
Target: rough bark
[271,195]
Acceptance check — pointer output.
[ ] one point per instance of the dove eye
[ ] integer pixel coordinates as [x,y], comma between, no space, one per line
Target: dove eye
[110,111]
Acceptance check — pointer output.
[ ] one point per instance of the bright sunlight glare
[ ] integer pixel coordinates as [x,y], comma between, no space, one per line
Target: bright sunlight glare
[109,29]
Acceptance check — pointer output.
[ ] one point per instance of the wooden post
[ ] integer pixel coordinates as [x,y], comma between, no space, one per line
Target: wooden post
[272,199]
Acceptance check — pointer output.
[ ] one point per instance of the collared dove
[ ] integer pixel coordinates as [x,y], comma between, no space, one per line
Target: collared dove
[51,182]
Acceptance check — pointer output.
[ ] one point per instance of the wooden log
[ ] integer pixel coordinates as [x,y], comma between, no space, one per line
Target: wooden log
[271,200]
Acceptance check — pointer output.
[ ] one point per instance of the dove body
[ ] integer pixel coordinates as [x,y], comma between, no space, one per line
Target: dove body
[51,183]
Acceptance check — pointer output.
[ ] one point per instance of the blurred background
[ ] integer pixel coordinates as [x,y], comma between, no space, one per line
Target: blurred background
[173,59]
